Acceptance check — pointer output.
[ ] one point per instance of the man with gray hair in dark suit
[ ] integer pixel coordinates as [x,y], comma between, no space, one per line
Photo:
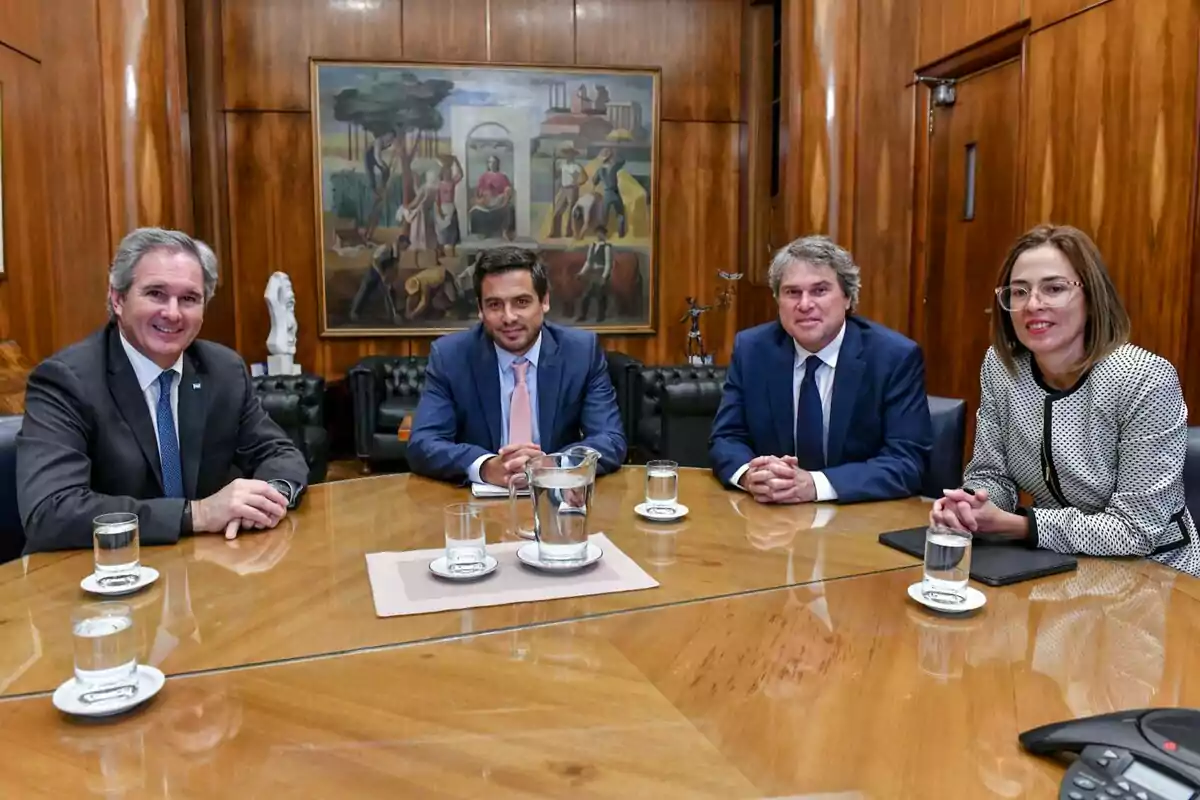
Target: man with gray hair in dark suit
[143,417]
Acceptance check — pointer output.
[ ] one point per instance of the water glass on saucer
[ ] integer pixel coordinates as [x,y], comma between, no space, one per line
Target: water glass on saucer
[116,549]
[662,486]
[466,538]
[947,566]
[105,646]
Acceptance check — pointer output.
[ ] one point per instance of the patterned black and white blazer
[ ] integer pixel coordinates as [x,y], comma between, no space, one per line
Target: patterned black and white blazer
[1102,460]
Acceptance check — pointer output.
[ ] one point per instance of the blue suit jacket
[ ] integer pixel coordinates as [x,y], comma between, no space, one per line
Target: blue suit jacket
[458,416]
[879,430]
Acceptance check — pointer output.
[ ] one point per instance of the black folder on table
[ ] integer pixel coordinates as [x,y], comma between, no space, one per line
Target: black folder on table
[992,563]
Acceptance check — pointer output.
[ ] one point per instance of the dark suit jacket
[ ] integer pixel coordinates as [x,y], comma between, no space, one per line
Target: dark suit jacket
[458,417]
[87,445]
[880,435]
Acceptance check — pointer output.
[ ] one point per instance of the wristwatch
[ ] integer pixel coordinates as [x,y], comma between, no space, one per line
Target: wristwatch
[185,524]
[285,488]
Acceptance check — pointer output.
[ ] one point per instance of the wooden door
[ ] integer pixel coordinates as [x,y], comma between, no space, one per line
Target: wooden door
[973,169]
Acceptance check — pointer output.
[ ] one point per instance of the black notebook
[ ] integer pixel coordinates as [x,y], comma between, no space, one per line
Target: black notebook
[992,563]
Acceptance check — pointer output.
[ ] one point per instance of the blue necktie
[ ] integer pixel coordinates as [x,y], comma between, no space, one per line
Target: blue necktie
[810,420]
[168,444]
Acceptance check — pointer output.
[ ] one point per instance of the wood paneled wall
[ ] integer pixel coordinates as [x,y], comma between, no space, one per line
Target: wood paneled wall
[94,111]
[55,211]
[883,194]
[261,110]
[26,315]
[1112,150]
[948,26]
[1110,129]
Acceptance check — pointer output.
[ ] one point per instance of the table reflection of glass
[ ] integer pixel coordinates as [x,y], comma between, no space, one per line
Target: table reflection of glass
[660,541]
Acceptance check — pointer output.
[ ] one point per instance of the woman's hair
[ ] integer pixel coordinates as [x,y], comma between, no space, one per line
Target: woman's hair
[1107,326]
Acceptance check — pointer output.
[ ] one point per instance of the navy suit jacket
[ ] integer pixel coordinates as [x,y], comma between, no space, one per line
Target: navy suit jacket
[458,416]
[880,435]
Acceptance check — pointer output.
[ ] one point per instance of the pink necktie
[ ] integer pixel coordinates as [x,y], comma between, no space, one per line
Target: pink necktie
[520,415]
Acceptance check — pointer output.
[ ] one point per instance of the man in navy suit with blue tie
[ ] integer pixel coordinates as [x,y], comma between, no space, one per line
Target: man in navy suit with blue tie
[513,386]
[822,405]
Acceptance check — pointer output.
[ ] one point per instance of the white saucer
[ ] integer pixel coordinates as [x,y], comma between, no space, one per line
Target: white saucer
[438,567]
[146,576]
[661,513]
[528,553]
[68,697]
[975,599]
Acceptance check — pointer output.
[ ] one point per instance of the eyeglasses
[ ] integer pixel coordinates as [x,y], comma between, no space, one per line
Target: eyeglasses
[1054,294]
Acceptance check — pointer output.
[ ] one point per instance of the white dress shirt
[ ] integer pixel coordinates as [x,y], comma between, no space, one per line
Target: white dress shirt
[508,382]
[824,380]
[147,373]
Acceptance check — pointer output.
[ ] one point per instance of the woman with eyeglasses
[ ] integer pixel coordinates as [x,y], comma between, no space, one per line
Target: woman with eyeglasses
[1091,426]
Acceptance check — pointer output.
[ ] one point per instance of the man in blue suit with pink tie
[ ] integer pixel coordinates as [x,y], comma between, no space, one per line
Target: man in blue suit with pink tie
[514,386]
[822,405]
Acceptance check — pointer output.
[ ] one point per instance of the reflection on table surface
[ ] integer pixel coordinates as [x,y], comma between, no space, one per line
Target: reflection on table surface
[302,589]
[841,689]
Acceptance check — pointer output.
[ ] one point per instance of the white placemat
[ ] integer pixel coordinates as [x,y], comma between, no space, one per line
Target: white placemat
[402,584]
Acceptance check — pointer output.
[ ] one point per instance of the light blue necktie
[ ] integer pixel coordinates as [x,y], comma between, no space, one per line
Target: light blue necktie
[168,443]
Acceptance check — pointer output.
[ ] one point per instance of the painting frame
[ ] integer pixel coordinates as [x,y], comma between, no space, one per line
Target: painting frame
[635,248]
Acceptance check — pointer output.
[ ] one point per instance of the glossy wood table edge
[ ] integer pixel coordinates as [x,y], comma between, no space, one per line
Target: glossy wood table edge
[770,694]
[303,590]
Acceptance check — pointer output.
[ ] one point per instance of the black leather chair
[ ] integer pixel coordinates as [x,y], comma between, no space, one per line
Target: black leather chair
[691,396]
[12,532]
[1191,472]
[624,370]
[385,390]
[949,418]
[688,409]
[297,404]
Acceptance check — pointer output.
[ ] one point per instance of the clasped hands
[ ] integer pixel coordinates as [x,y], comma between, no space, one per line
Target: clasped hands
[243,503]
[967,510]
[508,466]
[772,479]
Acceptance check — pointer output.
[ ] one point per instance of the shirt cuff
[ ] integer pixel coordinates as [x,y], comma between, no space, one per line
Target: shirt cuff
[473,470]
[287,489]
[1030,541]
[825,490]
[737,476]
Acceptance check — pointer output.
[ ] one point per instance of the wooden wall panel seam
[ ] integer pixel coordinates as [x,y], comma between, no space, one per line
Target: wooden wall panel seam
[20,52]
[1058,21]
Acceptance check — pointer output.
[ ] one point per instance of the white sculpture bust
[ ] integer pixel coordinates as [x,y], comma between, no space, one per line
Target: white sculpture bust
[281,343]
[281,302]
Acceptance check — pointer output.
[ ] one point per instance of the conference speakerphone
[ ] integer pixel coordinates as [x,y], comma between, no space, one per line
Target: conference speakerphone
[1151,754]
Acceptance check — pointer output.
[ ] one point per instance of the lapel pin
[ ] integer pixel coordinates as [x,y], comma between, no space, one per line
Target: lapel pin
[196,385]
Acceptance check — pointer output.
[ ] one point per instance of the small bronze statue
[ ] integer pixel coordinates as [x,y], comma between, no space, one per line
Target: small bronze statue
[695,341]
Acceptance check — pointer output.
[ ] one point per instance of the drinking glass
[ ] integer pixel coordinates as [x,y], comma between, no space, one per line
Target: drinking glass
[466,539]
[947,565]
[105,650]
[116,550]
[520,507]
[662,487]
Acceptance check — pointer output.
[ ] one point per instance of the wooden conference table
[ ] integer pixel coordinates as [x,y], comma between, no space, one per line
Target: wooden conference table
[779,657]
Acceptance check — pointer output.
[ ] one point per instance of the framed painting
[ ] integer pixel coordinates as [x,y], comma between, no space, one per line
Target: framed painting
[420,167]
